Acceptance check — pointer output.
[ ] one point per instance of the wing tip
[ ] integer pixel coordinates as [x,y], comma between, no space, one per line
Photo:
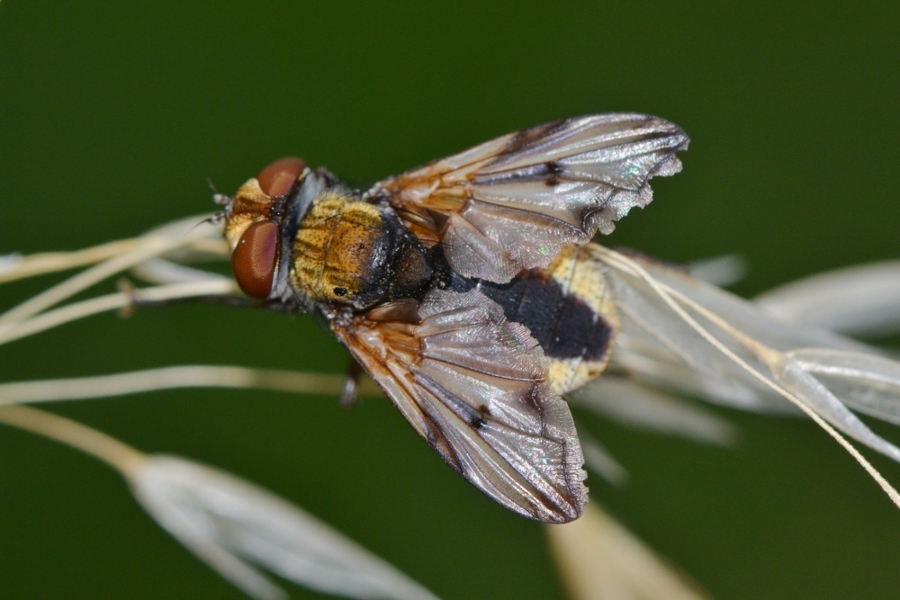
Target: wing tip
[621,202]
[667,167]
[573,509]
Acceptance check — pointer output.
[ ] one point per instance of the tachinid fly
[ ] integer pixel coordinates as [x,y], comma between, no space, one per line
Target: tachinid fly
[467,288]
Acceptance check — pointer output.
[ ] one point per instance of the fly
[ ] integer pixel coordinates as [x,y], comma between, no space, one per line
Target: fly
[468,288]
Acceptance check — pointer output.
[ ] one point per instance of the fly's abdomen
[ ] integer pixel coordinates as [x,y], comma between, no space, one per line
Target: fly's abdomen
[569,310]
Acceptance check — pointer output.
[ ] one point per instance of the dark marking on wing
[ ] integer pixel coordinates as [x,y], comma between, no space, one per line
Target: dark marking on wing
[528,136]
[484,413]
[555,170]
[543,172]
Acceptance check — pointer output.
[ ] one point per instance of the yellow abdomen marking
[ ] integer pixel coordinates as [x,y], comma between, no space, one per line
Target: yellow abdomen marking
[581,276]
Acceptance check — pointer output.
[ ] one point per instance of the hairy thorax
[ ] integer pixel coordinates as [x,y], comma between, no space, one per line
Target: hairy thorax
[356,253]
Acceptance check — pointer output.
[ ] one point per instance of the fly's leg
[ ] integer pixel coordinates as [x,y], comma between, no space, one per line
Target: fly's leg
[350,389]
[136,302]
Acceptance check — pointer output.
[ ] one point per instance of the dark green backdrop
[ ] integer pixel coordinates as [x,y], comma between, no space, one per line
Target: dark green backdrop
[112,116]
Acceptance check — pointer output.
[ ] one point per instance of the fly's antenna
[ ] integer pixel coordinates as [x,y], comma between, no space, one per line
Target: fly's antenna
[221,200]
[218,198]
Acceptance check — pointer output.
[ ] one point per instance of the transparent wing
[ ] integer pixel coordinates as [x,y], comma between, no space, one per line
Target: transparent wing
[511,203]
[473,385]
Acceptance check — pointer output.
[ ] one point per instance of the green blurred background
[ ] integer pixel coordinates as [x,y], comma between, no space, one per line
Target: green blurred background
[112,115]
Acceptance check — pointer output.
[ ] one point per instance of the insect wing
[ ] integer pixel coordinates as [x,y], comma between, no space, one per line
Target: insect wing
[474,386]
[511,203]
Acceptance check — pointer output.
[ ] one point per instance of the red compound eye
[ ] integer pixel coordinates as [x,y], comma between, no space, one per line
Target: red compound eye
[253,259]
[277,178]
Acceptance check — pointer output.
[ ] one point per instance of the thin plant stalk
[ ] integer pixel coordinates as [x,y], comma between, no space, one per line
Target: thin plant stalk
[18,329]
[149,247]
[51,262]
[120,456]
[182,376]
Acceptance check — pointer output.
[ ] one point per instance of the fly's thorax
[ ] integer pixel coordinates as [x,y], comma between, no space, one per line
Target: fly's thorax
[355,253]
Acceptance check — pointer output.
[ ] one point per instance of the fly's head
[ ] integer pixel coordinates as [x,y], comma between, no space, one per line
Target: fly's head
[260,224]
